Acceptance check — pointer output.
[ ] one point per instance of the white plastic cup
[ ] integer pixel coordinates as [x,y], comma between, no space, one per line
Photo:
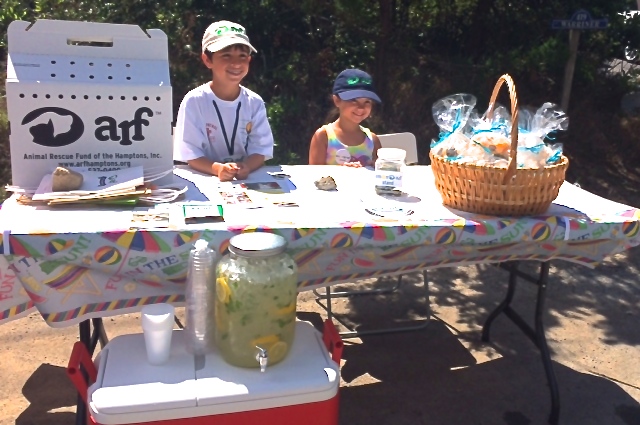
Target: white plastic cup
[157,325]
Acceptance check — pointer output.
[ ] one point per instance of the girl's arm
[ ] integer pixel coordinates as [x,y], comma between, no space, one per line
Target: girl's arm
[318,148]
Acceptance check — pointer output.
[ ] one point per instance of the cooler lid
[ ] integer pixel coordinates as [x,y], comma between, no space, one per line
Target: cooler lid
[128,389]
[306,375]
[127,383]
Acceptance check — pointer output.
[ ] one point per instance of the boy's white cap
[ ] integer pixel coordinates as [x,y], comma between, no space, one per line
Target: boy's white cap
[223,34]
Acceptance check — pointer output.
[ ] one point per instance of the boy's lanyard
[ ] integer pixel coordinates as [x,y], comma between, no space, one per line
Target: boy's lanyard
[230,146]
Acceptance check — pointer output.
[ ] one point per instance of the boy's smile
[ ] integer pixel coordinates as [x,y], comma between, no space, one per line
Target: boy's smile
[229,65]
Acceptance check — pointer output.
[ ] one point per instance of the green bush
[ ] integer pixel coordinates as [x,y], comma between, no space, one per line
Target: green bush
[417,51]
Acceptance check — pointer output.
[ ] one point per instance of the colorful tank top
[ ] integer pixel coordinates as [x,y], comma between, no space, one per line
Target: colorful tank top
[338,153]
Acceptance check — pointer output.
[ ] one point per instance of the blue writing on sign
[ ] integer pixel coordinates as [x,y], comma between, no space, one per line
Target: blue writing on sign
[580,20]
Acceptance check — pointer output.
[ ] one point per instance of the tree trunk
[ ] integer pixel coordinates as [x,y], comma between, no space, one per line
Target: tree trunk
[383,43]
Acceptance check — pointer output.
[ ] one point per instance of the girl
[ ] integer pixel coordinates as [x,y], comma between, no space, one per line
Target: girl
[345,141]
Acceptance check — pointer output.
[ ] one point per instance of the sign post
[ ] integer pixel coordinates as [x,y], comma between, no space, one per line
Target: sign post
[580,20]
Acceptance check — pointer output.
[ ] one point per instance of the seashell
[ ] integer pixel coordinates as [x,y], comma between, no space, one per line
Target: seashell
[65,180]
[326,183]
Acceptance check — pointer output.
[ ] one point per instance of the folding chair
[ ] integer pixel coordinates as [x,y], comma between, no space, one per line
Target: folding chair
[406,141]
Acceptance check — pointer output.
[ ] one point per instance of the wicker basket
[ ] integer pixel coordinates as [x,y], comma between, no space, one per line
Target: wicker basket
[499,191]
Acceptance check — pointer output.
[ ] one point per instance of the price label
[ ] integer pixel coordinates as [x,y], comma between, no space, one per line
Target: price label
[389,178]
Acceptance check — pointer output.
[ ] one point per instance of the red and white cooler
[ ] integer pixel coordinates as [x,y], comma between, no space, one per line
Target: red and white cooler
[125,389]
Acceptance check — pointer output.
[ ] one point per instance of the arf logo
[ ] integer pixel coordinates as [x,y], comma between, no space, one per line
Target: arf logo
[121,132]
[62,127]
[56,127]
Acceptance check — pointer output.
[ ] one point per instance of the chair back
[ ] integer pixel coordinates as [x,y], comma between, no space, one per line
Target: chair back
[406,141]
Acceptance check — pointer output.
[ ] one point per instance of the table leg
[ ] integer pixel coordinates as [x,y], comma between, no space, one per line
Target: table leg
[536,334]
[90,339]
[85,338]
[327,296]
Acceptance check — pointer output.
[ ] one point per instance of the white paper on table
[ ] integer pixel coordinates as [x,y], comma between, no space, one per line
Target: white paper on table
[206,184]
[230,193]
[593,206]
[32,220]
[94,182]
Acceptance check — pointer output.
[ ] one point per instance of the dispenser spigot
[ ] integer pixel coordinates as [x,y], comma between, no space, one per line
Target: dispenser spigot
[263,358]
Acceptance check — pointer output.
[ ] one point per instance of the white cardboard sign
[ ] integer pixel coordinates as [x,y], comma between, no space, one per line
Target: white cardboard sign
[86,94]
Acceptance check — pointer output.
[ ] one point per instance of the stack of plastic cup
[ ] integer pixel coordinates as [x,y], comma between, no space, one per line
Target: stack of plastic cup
[200,278]
[157,326]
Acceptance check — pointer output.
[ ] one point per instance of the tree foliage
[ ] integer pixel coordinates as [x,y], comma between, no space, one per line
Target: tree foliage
[417,51]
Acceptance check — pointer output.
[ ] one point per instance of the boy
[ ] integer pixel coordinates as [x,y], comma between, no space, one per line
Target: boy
[222,127]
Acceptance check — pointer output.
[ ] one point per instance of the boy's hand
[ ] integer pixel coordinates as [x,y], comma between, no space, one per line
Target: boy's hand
[243,171]
[228,171]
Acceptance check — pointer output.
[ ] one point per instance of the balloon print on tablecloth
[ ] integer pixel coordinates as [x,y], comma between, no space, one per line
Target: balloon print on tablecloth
[577,224]
[553,221]
[18,247]
[300,233]
[630,228]
[107,255]
[35,297]
[455,222]
[504,223]
[631,213]
[406,228]
[398,253]
[540,232]
[138,240]
[548,247]
[362,262]
[251,228]
[341,240]
[181,280]
[462,251]
[57,245]
[445,236]
[153,281]
[303,257]
[478,228]
[184,238]
[67,277]
[371,231]
[224,247]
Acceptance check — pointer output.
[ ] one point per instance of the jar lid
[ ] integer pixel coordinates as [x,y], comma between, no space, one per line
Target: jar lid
[257,244]
[394,154]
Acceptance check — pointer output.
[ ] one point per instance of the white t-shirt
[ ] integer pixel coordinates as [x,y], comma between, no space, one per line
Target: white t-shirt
[198,132]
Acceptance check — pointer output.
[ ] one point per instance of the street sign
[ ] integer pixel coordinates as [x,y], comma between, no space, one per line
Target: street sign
[580,20]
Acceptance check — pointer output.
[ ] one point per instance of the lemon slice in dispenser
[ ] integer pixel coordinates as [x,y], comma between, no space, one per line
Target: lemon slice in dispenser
[278,351]
[265,341]
[222,290]
[287,310]
[222,320]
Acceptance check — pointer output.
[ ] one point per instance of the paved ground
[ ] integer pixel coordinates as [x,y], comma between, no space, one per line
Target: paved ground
[440,375]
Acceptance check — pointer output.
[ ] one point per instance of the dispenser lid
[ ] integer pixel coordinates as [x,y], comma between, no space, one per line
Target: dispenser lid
[257,244]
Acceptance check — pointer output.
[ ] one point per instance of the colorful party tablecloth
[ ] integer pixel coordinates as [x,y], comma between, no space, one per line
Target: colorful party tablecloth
[80,263]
